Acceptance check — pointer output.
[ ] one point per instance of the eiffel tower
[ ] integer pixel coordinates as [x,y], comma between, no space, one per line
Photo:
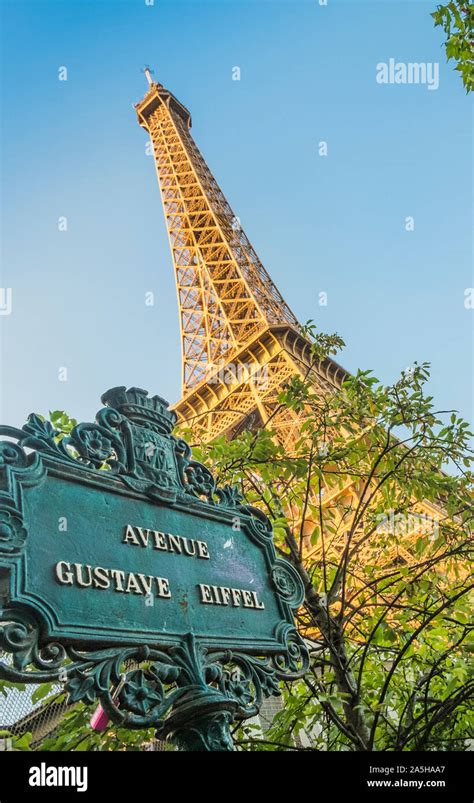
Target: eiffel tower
[240,341]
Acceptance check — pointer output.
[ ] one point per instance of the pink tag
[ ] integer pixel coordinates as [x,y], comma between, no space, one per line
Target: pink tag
[99,719]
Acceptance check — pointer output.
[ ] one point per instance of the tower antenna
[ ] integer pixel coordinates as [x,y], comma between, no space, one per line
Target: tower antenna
[148,73]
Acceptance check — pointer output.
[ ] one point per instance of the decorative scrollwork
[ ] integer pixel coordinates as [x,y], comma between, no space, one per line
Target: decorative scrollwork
[188,677]
[247,680]
[19,636]
[12,531]
[140,695]
[41,435]
[288,583]
[134,440]
[229,496]
[12,455]
[292,662]
[17,468]
[199,480]
[92,444]
[260,525]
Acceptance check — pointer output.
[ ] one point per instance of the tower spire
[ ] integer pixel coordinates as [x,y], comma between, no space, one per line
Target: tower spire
[148,73]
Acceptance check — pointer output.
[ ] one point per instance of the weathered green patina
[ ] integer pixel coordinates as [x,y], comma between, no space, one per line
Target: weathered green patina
[117,547]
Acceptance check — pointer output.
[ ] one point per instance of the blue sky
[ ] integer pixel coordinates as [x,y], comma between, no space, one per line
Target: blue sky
[332,224]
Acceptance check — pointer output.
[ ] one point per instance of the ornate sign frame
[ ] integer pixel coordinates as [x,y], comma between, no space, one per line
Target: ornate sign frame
[189,686]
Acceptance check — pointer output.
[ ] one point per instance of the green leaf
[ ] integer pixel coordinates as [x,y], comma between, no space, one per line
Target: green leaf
[41,691]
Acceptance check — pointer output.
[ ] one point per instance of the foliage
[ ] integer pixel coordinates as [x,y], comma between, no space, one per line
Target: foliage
[457,19]
[62,422]
[74,733]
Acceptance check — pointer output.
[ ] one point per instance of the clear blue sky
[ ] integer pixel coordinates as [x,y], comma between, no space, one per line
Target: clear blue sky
[334,224]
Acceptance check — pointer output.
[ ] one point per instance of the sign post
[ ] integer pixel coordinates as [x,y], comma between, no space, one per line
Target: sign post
[117,548]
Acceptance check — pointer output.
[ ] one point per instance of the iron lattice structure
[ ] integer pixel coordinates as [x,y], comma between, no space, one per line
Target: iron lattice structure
[240,340]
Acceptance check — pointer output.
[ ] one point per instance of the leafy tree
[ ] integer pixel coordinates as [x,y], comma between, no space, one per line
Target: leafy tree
[457,20]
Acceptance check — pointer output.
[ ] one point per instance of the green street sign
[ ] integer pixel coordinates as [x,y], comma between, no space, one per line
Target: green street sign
[117,547]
